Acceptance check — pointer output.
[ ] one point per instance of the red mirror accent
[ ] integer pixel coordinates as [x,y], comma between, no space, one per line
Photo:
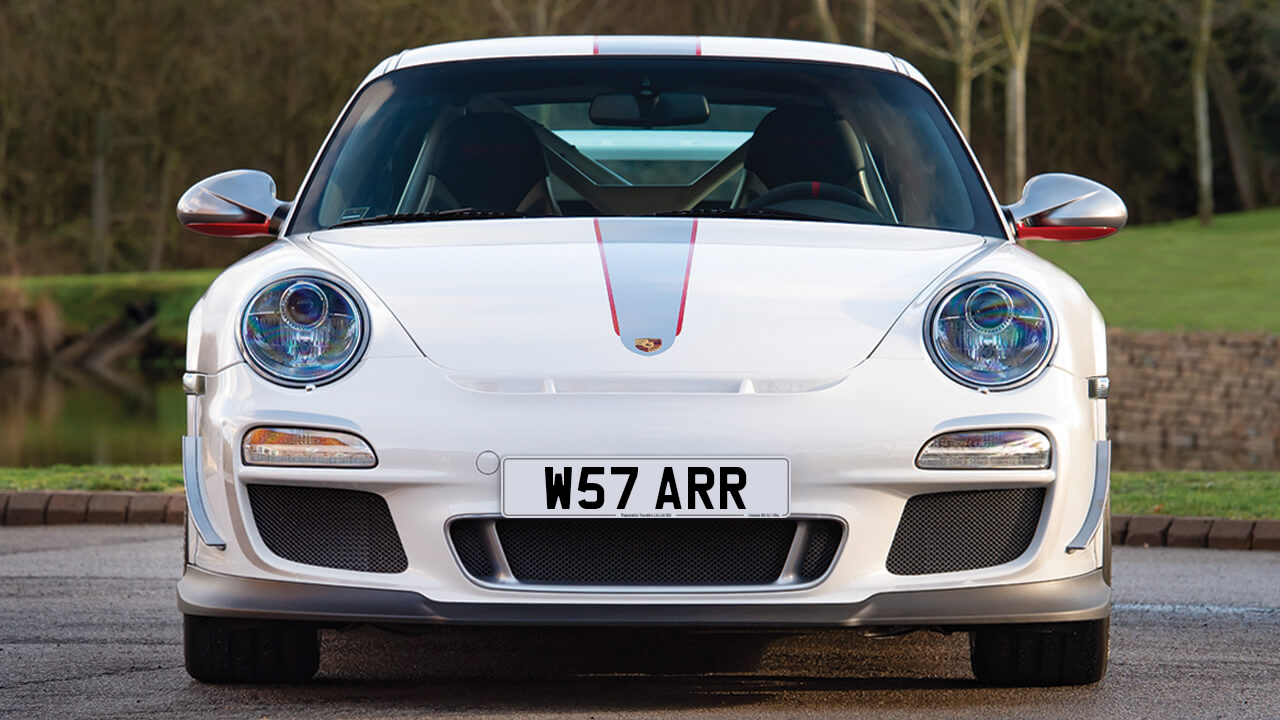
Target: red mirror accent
[1064,233]
[217,229]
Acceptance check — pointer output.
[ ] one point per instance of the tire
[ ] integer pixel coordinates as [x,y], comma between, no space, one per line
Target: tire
[1040,655]
[225,650]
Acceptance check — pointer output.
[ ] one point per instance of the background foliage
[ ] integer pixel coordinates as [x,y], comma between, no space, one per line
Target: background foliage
[152,95]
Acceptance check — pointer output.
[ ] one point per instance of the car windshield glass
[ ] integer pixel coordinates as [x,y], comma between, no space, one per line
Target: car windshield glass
[646,136]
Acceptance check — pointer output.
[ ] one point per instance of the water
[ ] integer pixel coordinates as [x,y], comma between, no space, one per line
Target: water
[72,417]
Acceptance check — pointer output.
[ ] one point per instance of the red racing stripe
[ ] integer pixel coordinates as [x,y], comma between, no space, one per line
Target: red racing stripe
[688,268]
[608,286]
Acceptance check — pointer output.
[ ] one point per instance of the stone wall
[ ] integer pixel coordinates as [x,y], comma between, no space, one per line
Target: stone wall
[1199,400]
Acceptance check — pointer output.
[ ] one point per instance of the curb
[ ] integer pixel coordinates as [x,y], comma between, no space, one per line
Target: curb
[1194,532]
[151,508]
[92,508]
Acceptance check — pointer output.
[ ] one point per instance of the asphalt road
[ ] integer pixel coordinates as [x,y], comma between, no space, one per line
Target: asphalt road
[88,628]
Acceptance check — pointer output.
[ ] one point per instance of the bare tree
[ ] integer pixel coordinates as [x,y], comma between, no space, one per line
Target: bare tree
[548,17]
[1016,19]
[1201,45]
[959,25]
[868,23]
[730,17]
[827,27]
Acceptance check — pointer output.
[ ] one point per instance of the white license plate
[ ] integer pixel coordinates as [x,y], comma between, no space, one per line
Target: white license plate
[646,487]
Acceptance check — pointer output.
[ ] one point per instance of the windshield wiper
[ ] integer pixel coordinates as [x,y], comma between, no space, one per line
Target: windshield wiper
[454,214]
[766,213]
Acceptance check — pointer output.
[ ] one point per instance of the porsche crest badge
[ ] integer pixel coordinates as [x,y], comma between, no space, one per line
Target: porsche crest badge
[648,345]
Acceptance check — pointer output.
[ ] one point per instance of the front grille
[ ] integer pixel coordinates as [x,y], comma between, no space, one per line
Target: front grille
[343,529]
[953,531]
[646,552]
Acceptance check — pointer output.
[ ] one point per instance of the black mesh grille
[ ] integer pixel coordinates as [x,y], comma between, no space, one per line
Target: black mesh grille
[824,540]
[952,531]
[631,552]
[344,529]
[469,544]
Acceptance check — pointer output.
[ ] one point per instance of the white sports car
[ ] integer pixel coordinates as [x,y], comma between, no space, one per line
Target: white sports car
[647,331]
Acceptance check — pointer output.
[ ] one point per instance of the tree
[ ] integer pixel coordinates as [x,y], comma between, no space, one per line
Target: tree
[827,28]
[959,24]
[1016,19]
[548,17]
[1202,39]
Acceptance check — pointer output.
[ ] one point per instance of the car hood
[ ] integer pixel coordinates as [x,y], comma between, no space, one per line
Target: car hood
[563,299]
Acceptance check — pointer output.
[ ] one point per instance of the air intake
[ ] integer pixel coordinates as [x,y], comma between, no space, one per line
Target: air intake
[953,531]
[684,553]
[326,527]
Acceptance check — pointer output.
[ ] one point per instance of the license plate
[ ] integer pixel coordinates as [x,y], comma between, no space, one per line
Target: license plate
[646,487]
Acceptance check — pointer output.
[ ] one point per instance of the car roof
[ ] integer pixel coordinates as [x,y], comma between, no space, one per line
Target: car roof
[654,45]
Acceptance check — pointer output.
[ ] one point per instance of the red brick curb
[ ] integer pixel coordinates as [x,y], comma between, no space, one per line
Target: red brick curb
[95,508]
[1216,533]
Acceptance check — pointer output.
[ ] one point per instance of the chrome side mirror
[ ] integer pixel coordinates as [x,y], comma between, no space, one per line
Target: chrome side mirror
[1058,206]
[236,203]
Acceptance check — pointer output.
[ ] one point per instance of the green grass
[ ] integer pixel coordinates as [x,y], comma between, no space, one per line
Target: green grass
[88,301]
[1182,276]
[153,478]
[1240,495]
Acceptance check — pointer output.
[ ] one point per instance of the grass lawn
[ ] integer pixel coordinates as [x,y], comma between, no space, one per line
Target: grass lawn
[93,477]
[1181,276]
[1241,495]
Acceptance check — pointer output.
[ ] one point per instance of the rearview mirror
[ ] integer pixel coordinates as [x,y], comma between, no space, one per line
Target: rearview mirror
[236,203]
[1058,206]
[640,110]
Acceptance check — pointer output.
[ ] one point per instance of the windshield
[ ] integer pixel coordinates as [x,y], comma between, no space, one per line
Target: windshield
[646,136]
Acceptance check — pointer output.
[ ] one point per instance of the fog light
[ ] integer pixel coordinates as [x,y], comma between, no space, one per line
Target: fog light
[981,449]
[300,446]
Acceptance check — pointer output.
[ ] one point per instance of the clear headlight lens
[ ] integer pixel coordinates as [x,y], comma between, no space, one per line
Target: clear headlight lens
[301,446]
[981,449]
[990,333]
[302,330]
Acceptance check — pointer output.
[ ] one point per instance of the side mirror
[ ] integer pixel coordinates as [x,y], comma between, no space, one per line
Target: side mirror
[236,203]
[1058,206]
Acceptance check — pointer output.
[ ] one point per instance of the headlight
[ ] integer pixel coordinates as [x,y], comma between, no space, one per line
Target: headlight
[302,330]
[990,333]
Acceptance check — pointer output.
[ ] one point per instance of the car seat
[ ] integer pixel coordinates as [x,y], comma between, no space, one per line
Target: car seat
[487,161]
[801,143]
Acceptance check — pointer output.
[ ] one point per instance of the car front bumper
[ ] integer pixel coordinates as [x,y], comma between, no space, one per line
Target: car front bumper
[851,449]
[1084,597]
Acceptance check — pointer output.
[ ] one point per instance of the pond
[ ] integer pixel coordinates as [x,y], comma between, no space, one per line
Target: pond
[73,417]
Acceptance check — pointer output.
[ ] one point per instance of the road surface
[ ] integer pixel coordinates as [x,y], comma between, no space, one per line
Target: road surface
[88,628]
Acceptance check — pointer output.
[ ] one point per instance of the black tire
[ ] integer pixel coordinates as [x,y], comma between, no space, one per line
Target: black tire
[225,650]
[1040,655]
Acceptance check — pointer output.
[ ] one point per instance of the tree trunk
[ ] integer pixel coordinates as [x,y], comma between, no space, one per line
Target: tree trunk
[1227,99]
[99,202]
[868,23]
[964,96]
[1200,104]
[826,23]
[1016,20]
[1015,136]
[163,218]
